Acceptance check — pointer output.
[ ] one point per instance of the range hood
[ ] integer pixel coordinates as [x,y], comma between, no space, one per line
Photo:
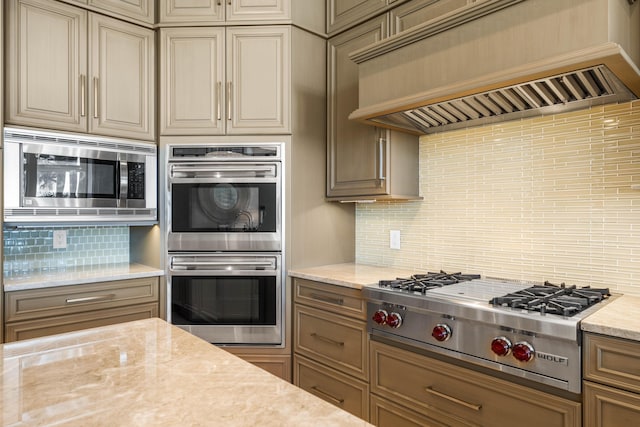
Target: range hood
[497,60]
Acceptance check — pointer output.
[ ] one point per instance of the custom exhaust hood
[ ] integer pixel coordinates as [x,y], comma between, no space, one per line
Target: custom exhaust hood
[497,60]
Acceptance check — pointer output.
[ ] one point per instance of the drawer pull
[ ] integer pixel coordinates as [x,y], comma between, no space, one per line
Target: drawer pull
[90,299]
[338,301]
[323,393]
[473,406]
[327,340]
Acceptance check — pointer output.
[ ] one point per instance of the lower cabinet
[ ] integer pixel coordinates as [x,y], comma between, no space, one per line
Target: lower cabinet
[40,312]
[612,381]
[276,364]
[330,344]
[439,393]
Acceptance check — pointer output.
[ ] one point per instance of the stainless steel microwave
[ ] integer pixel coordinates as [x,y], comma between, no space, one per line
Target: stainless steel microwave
[64,177]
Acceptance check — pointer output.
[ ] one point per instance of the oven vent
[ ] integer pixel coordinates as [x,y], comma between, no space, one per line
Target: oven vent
[563,92]
[34,216]
[89,141]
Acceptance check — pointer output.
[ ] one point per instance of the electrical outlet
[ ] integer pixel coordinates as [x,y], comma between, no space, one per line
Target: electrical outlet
[59,239]
[394,239]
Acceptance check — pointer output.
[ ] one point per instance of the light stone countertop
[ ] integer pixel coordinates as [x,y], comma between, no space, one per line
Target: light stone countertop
[148,373]
[78,275]
[619,318]
[350,275]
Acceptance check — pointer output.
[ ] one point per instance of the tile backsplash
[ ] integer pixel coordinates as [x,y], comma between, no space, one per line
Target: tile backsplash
[31,249]
[549,198]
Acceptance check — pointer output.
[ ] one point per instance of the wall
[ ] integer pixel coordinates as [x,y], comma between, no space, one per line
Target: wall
[31,248]
[547,198]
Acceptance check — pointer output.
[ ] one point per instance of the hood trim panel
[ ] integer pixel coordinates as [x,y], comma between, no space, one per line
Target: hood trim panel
[560,93]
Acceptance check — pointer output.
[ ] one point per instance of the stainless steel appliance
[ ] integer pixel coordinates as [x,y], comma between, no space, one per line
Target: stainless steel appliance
[54,177]
[228,298]
[223,197]
[523,330]
[224,241]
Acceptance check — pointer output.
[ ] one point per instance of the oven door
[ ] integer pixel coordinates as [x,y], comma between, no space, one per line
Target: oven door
[224,206]
[228,298]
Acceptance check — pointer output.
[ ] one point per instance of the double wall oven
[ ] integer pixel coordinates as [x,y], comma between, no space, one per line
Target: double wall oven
[224,220]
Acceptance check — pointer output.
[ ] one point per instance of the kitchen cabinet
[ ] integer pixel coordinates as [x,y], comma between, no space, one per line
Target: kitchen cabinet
[343,14]
[416,12]
[74,70]
[454,395]
[138,11]
[363,162]
[612,381]
[225,81]
[209,11]
[39,312]
[330,344]
[278,365]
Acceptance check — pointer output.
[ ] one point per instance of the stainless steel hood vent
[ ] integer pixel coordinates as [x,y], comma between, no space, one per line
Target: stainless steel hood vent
[564,92]
[495,60]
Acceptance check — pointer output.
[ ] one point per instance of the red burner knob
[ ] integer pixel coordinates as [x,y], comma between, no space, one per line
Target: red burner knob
[501,346]
[394,320]
[380,317]
[441,332]
[523,351]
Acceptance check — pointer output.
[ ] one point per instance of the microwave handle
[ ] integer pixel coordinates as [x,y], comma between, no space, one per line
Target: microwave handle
[122,180]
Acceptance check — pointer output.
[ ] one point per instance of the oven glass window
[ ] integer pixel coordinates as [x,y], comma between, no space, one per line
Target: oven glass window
[205,300]
[223,207]
[52,176]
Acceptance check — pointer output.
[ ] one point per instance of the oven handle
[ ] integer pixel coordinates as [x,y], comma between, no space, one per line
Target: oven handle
[204,168]
[184,264]
[441,395]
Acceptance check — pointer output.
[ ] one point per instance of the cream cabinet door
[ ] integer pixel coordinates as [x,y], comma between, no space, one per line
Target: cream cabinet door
[258,80]
[122,94]
[356,152]
[46,65]
[142,10]
[258,10]
[342,14]
[190,11]
[192,81]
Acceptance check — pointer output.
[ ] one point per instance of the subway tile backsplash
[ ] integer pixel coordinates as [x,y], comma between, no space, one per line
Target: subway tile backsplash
[549,198]
[31,249]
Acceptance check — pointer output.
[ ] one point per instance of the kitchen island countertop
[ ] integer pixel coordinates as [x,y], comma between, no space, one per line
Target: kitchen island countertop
[77,276]
[144,373]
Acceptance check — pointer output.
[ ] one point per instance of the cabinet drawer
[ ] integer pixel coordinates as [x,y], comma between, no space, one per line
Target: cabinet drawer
[341,390]
[338,299]
[608,407]
[333,340]
[73,322]
[422,383]
[61,300]
[612,361]
[388,414]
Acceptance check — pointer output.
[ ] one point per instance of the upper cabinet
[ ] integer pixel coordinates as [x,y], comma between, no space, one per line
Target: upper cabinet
[363,162]
[139,11]
[225,81]
[211,11]
[74,70]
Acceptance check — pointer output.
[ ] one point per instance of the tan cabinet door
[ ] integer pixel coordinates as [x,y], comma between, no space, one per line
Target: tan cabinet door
[356,152]
[46,65]
[258,10]
[190,11]
[192,81]
[142,10]
[258,75]
[122,94]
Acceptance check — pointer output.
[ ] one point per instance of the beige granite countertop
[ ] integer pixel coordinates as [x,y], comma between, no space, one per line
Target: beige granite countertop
[619,318]
[350,275]
[148,373]
[78,275]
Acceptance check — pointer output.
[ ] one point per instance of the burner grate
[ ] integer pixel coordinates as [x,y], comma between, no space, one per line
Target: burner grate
[424,282]
[553,299]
